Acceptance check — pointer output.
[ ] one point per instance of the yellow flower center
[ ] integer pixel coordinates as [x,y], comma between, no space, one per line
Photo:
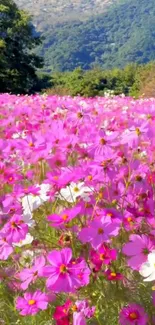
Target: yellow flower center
[31,302]
[90,177]
[74,308]
[31,144]
[80,276]
[102,141]
[76,189]
[138,131]
[102,256]
[100,231]
[14,225]
[58,163]
[79,115]
[113,274]
[65,217]
[63,268]
[12,210]
[88,205]
[133,316]
[139,178]
[129,219]
[146,251]
[109,215]
[100,195]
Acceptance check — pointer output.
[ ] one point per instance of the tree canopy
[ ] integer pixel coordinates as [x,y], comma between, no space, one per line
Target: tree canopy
[135,80]
[18,62]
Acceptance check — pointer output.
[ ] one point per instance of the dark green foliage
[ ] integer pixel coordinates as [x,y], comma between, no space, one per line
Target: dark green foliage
[93,82]
[18,63]
[124,34]
[144,84]
[134,80]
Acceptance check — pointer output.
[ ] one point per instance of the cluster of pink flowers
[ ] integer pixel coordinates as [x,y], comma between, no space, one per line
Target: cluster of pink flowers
[77,207]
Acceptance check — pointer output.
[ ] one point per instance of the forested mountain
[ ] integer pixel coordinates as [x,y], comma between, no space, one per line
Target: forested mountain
[123,33]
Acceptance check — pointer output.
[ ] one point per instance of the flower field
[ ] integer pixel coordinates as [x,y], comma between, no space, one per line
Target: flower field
[77,210]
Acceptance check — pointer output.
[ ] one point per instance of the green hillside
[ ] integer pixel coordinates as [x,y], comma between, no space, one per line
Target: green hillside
[125,33]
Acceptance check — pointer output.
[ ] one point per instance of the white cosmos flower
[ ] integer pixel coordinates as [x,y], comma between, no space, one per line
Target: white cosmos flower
[28,240]
[71,192]
[147,269]
[32,202]
[19,135]
[27,258]
[43,191]
[28,218]
[143,154]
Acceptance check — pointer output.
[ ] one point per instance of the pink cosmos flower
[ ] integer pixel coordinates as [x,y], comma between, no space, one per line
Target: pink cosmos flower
[65,274]
[5,247]
[82,311]
[64,217]
[31,303]
[15,229]
[137,250]
[103,141]
[83,306]
[104,255]
[33,190]
[83,273]
[133,314]
[132,136]
[87,207]
[130,222]
[113,276]
[30,275]
[79,318]
[98,232]
[62,313]
[11,206]
[113,215]
[73,313]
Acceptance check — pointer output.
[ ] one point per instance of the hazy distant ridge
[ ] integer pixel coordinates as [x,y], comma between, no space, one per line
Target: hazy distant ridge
[53,11]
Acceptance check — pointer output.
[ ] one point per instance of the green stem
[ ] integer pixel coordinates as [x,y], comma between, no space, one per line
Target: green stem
[98,321]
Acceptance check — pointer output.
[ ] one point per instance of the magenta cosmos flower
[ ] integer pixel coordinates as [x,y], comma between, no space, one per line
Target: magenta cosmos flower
[98,232]
[104,255]
[79,319]
[133,314]
[31,303]
[65,274]
[15,229]
[113,276]
[64,217]
[30,275]
[62,313]
[5,247]
[73,313]
[137,250]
